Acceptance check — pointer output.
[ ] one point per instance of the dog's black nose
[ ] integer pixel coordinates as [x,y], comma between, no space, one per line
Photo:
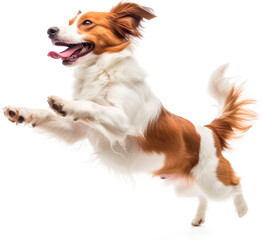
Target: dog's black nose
[52,31]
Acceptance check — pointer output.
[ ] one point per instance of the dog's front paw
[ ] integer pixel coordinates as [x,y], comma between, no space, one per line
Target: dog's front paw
[18,115]
[57,105]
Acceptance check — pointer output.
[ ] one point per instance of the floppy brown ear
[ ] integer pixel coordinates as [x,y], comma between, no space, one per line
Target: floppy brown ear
[127,17]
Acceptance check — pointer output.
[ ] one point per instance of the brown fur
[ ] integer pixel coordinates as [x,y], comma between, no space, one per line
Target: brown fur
[110,31]
[233,123]
[177,139]
[100,33]
[235,120]
[225,172]
[126,19]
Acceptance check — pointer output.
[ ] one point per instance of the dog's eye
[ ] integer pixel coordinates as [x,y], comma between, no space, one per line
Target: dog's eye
[87,22]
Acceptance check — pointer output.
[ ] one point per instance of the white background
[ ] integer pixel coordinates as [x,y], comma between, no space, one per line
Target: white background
[49,190]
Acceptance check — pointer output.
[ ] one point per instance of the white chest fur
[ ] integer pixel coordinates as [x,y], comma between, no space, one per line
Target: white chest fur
[117,80]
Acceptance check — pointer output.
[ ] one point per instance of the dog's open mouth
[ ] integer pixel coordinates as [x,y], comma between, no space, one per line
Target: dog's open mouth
[73,52]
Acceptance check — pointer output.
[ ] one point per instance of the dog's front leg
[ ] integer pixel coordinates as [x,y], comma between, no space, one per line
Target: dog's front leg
[65,129]
[111,121]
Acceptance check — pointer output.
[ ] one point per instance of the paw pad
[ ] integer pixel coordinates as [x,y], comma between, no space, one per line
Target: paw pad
[20,119]
[55,106]
[14,115]
[11,113]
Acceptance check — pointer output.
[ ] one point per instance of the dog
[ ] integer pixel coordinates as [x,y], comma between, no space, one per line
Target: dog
[128,127]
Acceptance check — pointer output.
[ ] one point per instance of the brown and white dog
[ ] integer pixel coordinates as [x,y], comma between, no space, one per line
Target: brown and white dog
[126,123]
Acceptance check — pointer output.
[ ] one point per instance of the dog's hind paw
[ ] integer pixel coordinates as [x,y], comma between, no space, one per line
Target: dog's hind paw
[240,205]
[197,221]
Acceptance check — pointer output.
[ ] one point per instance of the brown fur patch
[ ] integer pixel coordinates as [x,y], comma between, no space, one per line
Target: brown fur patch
[71,21]
[225,172]
[126,19]
[177,139]
[235,120]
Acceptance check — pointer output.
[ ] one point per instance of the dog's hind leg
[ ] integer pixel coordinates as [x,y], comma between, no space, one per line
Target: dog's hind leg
[189,189]
[60,127]
[214,173]
[239,202]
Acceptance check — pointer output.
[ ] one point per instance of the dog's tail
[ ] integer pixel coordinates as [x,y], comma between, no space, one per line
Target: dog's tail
[233,118]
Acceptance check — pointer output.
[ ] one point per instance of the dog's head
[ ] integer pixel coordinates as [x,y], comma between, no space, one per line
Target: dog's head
[98,32]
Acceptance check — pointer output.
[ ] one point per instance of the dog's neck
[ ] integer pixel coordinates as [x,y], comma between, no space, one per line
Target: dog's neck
[96,72]
[104,61]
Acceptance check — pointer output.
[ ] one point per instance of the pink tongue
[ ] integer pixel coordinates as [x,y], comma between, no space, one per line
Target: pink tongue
[67,53]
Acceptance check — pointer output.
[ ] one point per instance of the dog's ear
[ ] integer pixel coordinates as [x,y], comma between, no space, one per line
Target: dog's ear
[126,19]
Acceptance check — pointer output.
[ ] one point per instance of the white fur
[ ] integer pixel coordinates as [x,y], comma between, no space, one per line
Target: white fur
[220,86]
[65,129]
[69,34]
[112,90]
[192,189]
[240,203]
[205,171]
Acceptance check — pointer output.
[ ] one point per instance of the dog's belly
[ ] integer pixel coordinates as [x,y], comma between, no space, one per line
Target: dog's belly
[125,158]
